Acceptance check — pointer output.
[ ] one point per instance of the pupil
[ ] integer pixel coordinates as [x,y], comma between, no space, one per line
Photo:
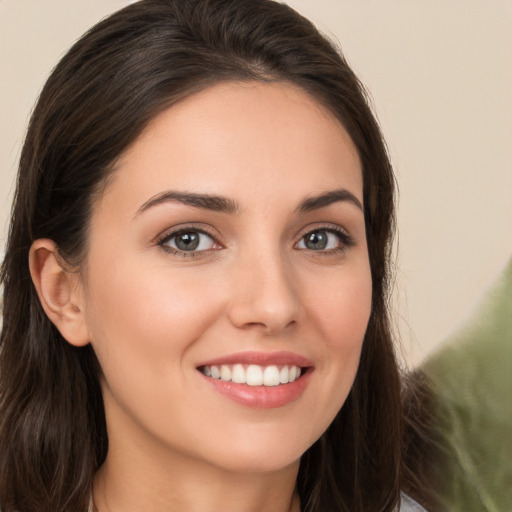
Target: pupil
[187,241]
[316,240]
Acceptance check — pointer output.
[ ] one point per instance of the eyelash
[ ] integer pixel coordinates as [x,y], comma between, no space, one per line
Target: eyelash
[346,241]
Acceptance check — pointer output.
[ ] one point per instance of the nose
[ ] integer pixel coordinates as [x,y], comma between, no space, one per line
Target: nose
[265,294]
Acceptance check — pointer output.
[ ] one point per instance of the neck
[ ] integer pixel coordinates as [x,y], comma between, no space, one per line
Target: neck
[146,477]
[194,489]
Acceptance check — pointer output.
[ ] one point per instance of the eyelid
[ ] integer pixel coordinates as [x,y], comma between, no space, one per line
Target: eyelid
[326,226]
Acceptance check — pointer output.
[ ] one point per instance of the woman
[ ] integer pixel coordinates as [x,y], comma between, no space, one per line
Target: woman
[206,205]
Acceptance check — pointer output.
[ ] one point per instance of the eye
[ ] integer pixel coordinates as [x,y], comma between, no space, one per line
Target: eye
[188,241]
[326,240]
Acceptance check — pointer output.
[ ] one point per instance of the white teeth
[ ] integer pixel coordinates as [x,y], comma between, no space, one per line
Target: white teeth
[271,376]
[238,374]
[225,373]
[215,372]
[253,375]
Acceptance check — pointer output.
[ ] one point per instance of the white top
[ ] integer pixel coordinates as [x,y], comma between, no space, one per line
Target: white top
[410,505]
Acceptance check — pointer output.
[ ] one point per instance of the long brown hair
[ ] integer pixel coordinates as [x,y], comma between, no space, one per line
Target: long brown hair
[99,98]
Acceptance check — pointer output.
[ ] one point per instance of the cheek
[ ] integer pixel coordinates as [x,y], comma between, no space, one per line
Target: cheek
[340,312]
[341,306]
[145,321]
[146,317]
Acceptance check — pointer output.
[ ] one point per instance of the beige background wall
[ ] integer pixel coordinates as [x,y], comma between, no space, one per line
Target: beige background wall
[441,78]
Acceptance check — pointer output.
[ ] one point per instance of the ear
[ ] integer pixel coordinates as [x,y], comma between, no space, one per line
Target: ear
[60,292]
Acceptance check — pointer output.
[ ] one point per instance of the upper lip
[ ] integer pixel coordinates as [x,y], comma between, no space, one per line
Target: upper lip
[260,358]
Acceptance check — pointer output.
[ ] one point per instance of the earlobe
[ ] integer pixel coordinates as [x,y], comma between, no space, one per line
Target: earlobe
[59,293]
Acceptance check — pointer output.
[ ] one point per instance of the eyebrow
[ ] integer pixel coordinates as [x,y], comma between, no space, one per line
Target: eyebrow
[227,205]
[204,201]
[323,200]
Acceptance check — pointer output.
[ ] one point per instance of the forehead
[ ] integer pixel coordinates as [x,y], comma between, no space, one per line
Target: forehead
[233,137]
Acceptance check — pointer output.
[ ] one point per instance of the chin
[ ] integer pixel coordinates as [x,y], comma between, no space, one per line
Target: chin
[261,454]
[259,464]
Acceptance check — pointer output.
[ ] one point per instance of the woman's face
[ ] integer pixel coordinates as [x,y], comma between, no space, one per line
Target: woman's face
[230,241]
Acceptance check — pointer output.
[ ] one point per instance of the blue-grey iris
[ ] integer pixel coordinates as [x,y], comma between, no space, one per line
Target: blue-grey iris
[316,241]
[187,241]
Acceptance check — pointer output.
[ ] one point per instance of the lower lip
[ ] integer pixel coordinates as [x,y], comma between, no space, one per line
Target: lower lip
[261,397]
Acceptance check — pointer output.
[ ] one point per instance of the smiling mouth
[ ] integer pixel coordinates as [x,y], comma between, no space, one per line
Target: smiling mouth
[253,374]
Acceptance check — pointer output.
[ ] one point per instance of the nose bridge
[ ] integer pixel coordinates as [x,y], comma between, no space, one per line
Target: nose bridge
[264,290]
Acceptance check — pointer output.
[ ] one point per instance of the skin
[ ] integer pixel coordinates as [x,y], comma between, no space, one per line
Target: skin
[152,316]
